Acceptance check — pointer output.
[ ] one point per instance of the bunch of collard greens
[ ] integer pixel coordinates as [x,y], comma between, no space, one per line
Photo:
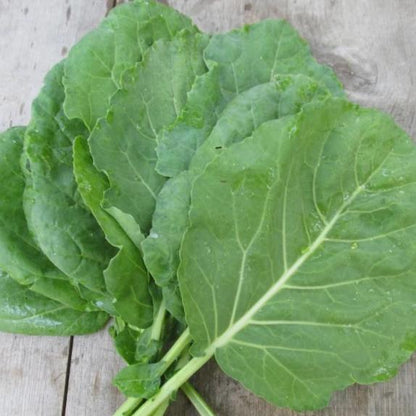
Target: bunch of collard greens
[217,196]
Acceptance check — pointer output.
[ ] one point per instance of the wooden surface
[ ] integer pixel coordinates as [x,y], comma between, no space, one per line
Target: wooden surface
[372,46]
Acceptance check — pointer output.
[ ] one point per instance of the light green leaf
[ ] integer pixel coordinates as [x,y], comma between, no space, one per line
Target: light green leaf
[63,227]
[20,257]
[25,312]
[237,61]
[126,278]
[125,340]
[179,141]
[281,57]
[168,227]
[298,268]
[242,115]
[123,144]
[94,67]
[285,96]
[139,380]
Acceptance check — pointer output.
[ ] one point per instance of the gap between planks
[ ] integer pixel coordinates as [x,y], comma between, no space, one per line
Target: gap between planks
[111,4]
[67,375]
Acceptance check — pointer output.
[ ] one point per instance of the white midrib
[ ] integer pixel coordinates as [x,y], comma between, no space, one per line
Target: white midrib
[227,336]
[197,362]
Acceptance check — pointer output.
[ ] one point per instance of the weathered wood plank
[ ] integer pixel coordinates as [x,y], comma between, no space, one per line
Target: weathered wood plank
[33,38]
[94,363]
[395,398]
[370,44]
[32,375]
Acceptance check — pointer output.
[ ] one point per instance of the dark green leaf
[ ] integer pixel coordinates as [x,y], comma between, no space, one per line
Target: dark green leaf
[139,380]
[126,277]
[26,312]
[63,227]
[19,255]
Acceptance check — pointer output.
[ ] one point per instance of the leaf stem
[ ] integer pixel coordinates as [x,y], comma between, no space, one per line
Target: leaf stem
[176,350]
[161,410]
[159,322]
[197,400]
[171,385]
[128,407]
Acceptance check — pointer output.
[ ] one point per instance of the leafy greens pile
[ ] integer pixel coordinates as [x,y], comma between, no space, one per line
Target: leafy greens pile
[217,196]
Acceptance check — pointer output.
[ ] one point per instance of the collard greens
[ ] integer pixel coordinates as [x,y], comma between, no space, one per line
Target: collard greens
[217,196]
[303,282]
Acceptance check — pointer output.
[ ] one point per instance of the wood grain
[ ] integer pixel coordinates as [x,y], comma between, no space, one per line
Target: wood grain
[94,363]
[372,47]
[32,375]
[370,44]
[34,37]
[228,398]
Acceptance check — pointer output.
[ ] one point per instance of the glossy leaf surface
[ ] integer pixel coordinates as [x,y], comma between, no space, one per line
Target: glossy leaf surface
[63,227]
[19,255]
[26,312]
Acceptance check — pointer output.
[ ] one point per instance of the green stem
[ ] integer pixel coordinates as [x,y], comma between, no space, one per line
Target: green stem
[161,410]
[128,407]
[159,322]
[195,398]
[197,401]
[171,385]
[176,350]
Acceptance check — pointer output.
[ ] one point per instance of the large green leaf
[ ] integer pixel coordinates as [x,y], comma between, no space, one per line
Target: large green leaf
[19,255]
[26,312]
[94,67]
[63,227]
[123,144]
[242,115]
[126,277]
[298,268]
[237,61]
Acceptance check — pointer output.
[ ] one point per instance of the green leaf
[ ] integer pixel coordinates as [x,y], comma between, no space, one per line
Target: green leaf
[126,278]
[237,61]
[20,257]
[25,312]
[281,57]
[298,268]
[125,340]
[123,144]
[161,247]
[105,53]
[137,347]
[63,227]
[139,380]
[179,141]
[243,114]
